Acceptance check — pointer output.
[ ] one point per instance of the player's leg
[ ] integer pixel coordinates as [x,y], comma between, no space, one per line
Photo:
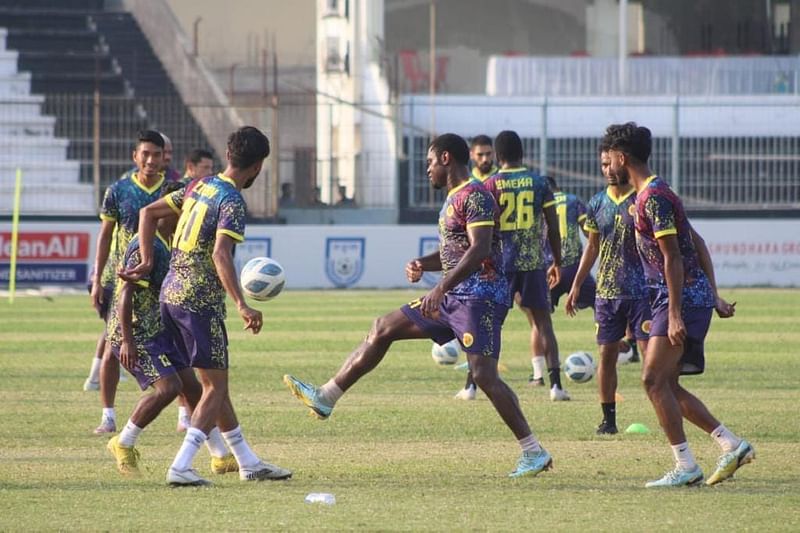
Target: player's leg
[93,379]
[184,414]
[397,325]
[543,334]
[470,388]
[610,317]
[109,377]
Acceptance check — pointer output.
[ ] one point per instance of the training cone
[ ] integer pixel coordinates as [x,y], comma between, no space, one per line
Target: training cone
[638,428]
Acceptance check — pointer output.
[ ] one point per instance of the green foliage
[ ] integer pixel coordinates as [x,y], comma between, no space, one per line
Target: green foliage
[399,453]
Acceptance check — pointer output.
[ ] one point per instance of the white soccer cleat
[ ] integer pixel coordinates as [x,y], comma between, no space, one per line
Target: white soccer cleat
[467,393]
[262,471]
[558,395]
[90,385]
[185,478]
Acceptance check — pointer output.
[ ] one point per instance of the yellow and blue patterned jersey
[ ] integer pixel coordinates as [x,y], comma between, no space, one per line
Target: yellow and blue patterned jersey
[571,215]
[476,173]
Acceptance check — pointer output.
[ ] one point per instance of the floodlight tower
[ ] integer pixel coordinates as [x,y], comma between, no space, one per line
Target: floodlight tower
[356,144]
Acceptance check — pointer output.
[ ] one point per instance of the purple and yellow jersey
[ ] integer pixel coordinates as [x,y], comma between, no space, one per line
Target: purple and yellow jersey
[522,196]
[571,215]
[121,204]
[208,207]
[146,323]
[476,173]
[659,212]
[466,206]
[619,273]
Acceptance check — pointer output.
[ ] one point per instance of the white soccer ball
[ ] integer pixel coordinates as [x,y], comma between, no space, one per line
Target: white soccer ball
[447,353]
[579,367]
[262,278]
[625,357]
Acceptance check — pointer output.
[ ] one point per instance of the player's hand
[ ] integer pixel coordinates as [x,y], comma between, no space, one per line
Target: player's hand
[97,296]
[676,332]
[253,320]
[136,273]
[553,275]
[414,271]
[569,305]
[127,355]
[724,309]
[429,306]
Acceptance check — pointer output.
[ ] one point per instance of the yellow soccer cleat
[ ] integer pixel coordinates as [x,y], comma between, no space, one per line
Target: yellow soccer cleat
[127,457]
[223,465]
[730,462]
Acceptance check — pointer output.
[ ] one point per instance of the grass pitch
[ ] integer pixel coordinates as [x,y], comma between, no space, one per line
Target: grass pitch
[399,453]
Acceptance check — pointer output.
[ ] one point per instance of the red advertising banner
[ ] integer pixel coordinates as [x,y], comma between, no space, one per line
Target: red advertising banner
[46,246]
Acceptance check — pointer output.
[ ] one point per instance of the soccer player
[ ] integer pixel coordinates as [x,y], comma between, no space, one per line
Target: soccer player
[119,217]
[621,292]
[199,164]
[469,303]
[212,220]
[482,156]
[170,174]
[528,207]
[145,348]
[683,295]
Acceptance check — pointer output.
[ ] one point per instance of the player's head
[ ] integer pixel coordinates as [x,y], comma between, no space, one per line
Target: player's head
[167,159]
[552,183]
[149,153]
[446,152]
[199,163]
[508,147]
[247,150]
[629,145]
[605,164]
[481,153]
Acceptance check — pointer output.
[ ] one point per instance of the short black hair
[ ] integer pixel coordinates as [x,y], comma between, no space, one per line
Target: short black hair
[630,139]
[150,136]
[551,182]
[247,146]
[480,140]
[171,186]
[454,144]
[197,155]
[508,146]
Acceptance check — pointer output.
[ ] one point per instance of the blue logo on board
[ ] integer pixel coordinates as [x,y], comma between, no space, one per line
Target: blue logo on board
[427,246]
[344,260]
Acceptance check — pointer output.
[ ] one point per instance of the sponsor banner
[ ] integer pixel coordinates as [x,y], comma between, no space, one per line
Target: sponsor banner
[427,246]
[49,273]
[46,246]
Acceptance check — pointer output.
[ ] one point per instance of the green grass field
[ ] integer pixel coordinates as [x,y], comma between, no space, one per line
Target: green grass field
[399,453]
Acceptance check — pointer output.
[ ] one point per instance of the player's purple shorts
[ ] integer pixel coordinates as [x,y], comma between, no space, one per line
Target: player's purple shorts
[157,358]
[586,295]
[201,338]
[475,323]
[696,319]
[532,288]
[613,316]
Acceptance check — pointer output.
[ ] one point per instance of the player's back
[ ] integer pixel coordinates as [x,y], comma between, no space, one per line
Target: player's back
[571,214]
[521,195]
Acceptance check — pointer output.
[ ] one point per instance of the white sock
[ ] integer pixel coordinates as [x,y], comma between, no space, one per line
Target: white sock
[538,363]
[726,440]
[94,373]
[330,393]
[683,456]
[109,413]
[530,444]
[215,443]
[240,449]
[191,444]
[183,413]
[128,436]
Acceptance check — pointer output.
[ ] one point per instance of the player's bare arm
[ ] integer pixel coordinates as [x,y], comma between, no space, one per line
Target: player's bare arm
[590,253]
[673,275]
[554,237]
[223,263]
[127,349]
[480,247]
[428,263]
[100,260]
[148,220]
[723,308]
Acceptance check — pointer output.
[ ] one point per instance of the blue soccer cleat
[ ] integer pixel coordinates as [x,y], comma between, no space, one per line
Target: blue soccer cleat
[678,478]
[531,463]
[730,462]
[308,395]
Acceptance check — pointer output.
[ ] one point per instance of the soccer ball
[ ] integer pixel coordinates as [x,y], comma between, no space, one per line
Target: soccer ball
[262,278]
[579,367]
[447,353]
[625,357]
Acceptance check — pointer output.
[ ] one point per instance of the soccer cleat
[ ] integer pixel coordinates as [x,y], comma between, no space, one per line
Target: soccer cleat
[223,465]
[90,385]
[308,395]
[531,463]
[535,382]
[263,471]
[678,478]
[184,423]
[606,429]
[185,478]
[107,425]
[462,366]
[467,393]
[127,457]
[558,394]
[729,462]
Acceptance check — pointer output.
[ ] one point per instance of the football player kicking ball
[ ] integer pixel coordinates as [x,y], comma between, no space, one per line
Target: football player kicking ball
[683,295]
[469,303]
[144,347]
